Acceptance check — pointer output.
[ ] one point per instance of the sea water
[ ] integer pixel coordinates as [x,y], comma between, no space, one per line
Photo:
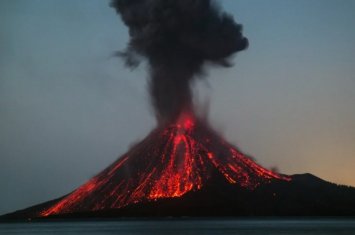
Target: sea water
[338,226]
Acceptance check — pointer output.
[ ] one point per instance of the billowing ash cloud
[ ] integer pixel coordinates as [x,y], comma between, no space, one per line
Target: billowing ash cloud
[177,37]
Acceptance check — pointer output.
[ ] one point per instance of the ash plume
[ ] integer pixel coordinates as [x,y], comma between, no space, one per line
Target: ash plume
[177,37]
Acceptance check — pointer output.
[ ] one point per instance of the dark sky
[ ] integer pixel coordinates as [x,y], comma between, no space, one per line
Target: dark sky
[68,109]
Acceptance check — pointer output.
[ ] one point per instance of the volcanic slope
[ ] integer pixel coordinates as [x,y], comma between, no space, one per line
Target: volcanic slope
[168,163]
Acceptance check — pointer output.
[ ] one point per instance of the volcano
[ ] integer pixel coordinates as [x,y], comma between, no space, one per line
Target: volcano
[187,169]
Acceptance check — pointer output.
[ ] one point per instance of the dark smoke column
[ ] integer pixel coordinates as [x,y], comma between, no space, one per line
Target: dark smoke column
[177,37]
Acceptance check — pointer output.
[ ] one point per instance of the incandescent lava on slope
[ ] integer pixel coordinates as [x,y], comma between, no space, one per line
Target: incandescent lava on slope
[169,162]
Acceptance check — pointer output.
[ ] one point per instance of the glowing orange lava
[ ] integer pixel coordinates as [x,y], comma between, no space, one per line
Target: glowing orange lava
[168,163]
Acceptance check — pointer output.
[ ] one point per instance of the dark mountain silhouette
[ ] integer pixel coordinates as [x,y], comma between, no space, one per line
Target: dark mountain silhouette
[186,169]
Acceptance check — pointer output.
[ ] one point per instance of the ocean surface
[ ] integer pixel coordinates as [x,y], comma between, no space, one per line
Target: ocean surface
[185,227]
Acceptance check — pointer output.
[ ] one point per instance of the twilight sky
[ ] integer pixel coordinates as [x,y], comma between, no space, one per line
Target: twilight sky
[68,108]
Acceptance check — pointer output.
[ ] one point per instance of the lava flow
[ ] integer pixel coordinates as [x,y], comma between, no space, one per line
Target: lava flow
[168,163]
